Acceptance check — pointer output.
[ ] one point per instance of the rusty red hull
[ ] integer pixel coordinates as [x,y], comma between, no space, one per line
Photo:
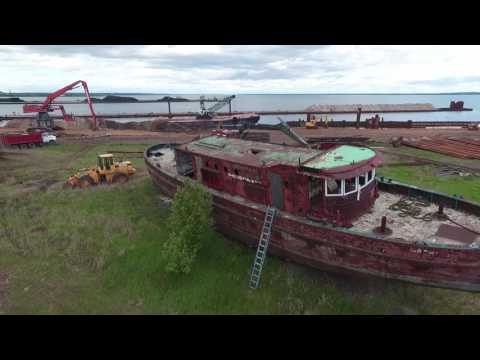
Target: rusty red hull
[325,246]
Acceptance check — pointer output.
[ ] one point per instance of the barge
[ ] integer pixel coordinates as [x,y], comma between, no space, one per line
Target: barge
[329,205]
[200,122]
[185,123]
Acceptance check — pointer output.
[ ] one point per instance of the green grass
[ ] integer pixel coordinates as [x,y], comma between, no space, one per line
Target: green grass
[425,177]
[97,251]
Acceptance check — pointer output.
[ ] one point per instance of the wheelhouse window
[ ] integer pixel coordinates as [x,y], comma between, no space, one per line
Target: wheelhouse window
[362,180]
[371,175]
[333,187]
[350,185]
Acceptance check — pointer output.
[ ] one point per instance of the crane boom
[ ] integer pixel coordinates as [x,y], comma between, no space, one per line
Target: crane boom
[208,113]
[220,104]
[47,105]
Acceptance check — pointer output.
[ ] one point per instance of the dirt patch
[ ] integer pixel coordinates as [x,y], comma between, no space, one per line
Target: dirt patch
[39,185]
[131,125]
[40,231]
[85,136]
[24,123]
[403,310]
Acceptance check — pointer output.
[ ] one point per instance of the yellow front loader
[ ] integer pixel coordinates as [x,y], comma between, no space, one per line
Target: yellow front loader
[107,171]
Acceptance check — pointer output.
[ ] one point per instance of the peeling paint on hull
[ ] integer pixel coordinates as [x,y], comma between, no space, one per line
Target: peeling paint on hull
[324,246]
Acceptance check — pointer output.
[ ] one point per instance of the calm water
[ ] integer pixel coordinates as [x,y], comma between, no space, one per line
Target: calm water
[285,102]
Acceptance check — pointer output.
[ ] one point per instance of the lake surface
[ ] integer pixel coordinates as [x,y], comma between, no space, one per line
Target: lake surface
[282,102]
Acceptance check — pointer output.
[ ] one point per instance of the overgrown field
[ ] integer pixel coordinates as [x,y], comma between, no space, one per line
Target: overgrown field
[97,251]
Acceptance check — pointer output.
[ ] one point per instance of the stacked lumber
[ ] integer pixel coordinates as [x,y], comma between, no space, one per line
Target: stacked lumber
[468,141]
[463,148]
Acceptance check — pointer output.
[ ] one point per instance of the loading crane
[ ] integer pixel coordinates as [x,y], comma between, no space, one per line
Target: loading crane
[208,113]
[42,110]
[287,130]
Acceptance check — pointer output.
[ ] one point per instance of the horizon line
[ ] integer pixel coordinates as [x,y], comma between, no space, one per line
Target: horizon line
[251,93]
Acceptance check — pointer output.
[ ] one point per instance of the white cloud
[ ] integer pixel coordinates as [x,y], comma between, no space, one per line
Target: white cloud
[185,50]
[240,69]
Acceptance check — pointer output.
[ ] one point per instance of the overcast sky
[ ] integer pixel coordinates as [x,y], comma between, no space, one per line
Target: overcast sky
[242,69]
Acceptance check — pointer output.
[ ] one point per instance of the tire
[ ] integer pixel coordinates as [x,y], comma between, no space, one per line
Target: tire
[119,179]
[85,181]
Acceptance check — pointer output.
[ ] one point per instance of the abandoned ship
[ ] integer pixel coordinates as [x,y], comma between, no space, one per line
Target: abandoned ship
[323,208]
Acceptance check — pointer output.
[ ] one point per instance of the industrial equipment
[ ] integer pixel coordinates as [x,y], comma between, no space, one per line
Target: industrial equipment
[107,171]
[287,130]
[208,113]
[24,140]
[312,123]
[42,110]
[28,139]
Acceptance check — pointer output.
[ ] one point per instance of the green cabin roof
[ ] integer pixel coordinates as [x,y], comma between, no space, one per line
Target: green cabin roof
[344,155]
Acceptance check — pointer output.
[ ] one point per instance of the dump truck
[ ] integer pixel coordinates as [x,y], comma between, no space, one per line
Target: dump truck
[22,140]
[28,140]
[107,171]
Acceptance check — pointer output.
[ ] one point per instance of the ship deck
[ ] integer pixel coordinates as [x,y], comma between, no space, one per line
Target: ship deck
[406,228]
[409,228]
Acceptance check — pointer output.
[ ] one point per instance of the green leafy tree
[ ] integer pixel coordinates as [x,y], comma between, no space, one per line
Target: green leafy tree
[188,223]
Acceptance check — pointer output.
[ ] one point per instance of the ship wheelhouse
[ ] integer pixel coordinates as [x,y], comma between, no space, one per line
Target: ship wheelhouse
[336,185]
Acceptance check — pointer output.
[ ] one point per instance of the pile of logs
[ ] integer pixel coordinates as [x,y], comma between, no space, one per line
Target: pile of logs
[463,148]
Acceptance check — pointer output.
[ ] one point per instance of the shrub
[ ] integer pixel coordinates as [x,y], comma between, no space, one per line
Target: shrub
[188,223]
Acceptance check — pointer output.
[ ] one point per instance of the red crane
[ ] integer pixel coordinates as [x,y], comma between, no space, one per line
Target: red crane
[48,106]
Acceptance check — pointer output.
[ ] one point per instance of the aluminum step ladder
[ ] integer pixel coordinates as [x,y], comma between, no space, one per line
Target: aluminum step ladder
[262,247]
